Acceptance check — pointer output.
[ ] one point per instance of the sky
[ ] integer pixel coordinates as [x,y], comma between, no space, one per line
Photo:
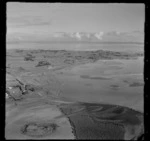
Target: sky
[45,18]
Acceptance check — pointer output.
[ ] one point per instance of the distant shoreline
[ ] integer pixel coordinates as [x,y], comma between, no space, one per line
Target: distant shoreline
[70,42]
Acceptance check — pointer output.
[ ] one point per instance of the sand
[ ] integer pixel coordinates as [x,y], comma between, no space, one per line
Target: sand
[16,119]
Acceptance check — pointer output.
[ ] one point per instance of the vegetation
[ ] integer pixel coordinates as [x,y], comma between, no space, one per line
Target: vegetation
[136,84]
[100,121]
[43,63]
[29,57]
[35,129]
[85,128]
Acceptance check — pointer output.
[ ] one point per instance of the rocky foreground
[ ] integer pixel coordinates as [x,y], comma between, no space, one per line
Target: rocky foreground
[36,110]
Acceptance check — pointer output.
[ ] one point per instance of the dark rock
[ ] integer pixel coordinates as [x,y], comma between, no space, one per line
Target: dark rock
[29,88]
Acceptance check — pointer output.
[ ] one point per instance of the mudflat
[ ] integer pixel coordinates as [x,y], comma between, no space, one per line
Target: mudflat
[53,94]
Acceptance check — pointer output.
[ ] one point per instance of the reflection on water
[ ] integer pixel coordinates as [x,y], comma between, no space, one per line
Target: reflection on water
[87,83]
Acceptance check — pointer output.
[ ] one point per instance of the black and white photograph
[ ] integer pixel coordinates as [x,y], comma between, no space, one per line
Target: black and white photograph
[74,71]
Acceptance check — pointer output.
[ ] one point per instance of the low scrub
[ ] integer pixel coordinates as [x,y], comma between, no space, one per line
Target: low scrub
[43,63]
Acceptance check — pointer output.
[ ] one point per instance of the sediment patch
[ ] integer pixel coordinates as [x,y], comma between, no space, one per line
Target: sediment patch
[95,78]
[35,129]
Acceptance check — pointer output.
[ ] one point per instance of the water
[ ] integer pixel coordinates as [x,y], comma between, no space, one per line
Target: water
[105,81]
[77,46]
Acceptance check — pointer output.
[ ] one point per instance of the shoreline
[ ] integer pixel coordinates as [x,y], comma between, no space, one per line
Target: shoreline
[71,123]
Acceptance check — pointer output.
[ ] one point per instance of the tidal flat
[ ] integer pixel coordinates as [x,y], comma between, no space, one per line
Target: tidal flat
[54,93]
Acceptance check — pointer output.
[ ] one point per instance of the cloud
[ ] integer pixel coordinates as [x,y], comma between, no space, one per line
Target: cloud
[27,21]
[99,35]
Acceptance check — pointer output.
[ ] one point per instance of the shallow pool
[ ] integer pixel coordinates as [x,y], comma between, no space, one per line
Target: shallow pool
[107,81]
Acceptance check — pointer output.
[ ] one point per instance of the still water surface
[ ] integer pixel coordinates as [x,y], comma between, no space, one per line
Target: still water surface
[77,46]
[110,81]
